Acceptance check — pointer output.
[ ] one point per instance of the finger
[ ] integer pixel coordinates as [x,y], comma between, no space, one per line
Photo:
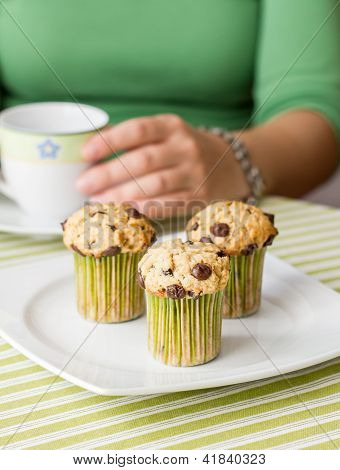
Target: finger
[175,204]
[127,135]
[127,167]
[148,186]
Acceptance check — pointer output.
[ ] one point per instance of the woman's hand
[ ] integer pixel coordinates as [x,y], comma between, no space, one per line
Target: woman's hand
[166,165]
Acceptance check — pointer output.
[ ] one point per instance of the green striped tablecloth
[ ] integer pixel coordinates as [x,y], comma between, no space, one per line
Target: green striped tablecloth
[299,413]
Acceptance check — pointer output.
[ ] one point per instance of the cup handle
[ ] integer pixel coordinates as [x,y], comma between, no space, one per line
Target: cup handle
[4,188]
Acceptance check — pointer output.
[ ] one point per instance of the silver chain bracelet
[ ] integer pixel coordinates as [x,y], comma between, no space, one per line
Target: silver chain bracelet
[251,172]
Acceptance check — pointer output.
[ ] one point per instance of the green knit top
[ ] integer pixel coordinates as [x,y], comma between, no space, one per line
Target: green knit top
[230,63]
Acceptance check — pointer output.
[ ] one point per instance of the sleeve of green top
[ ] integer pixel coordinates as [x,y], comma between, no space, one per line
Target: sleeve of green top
[298,59]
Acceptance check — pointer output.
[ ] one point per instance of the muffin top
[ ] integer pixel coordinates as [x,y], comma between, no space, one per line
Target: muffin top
[234,226]
[107,229]
[176,270]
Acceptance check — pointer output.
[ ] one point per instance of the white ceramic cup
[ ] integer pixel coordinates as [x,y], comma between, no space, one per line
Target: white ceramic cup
[40,148]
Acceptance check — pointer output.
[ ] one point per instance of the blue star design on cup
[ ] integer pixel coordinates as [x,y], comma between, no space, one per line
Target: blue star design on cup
[48,149]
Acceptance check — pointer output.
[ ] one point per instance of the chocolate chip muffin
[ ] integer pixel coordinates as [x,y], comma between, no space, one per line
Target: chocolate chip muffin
[243,232]
[184,283]
[107,230]
[234,226]
[107,241]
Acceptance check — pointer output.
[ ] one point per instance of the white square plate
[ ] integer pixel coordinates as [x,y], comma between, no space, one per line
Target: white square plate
[297,326]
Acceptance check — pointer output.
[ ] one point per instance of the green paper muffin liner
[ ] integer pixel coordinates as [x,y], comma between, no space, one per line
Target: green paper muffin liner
[185,332]
[243,291]
[106,287]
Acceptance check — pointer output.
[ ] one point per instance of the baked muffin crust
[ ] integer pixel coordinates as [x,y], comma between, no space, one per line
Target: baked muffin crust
[176,270]
[107,229]
[234,226]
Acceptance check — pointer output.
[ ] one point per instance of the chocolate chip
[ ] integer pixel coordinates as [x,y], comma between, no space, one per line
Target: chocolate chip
[201,271]
[269,240]
[249,250]
[111,251]
[76,249]
[168,272]
[189,242]
[193,295]
[194,227]
[134,213]
[112,227]
[220,230]
[63,224]
[221,254]
[175,291]
[271,217]
[97,212]
[206,240]
[140,280]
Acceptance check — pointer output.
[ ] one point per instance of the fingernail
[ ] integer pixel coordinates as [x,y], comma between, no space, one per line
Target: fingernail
[97,198]
[90,151]
[83,183]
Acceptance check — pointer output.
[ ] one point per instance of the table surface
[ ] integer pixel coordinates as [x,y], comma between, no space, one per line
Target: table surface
[297,411]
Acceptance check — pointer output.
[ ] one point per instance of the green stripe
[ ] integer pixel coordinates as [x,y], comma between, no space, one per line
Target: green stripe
[4,237]
[29,385]
[28,244]
[303,243]
[21,372]
[31,253]
[330,279]
[55,410]
[315,261]
[325,445]
[301,233]
[5,347]
[319,270]
[316,251]
[12,360]
[277,202]
[285,219]
[29,401]
[292,436]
